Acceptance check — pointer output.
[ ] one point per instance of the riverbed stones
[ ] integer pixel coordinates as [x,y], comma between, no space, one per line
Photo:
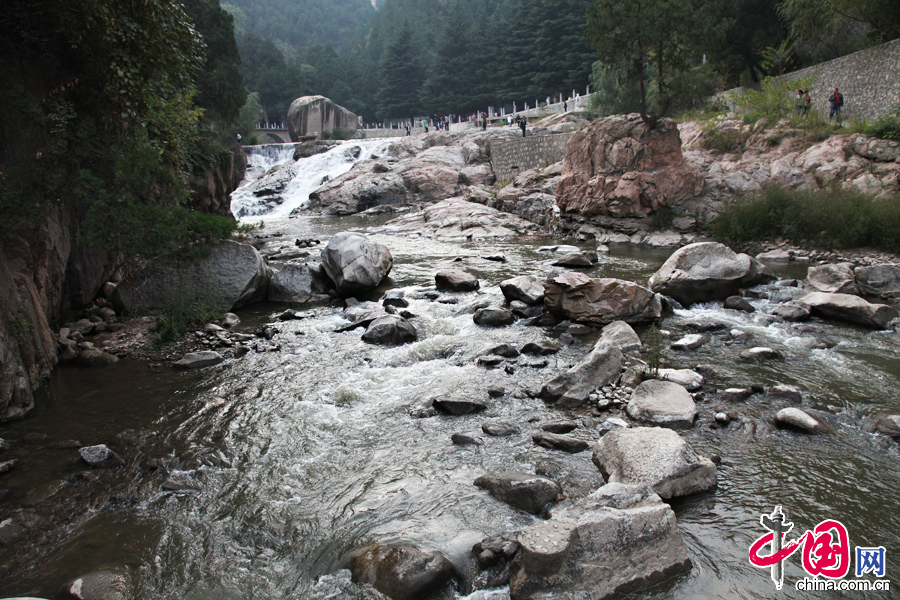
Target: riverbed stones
[94,357]
[882,281]
[760,353]
[456,280]
[583,299]
[691,341]
[846,307]
[600,367]
[784,393]
[576,260]
[706,271]
[455,405]
[300,284]
[100,456]
[735,394]
[540,348]
[662,403]
[506,351]
[111,584]
[791,312]
[230,276]
[833,278]
[497,429]
[738,303]
[354,263]
[390,330]
[493,317]
[656,457]
[401,572]
[560,426]
[619,537]
[525,288]
[198,360]
[530,493]
[555,441]
[795,418]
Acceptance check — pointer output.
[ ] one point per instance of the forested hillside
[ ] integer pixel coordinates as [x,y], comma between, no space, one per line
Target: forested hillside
[417,57]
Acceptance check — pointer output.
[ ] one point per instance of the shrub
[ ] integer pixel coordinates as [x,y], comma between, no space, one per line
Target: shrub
[834,218]
[886,127]
[722,140]
[187,309]
[776,99]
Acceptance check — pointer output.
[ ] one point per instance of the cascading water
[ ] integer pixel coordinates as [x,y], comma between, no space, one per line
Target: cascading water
[275,184]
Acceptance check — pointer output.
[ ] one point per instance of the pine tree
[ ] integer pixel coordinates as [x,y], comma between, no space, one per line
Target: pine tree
[401,77]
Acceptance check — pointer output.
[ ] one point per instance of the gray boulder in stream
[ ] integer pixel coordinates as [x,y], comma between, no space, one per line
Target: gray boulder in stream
[521,490]
[355,264]
[231,276]
[707,271]
[300,284]
[656,457]
[580,298]
[390,330]
[846,307]
[662,403]
[401,572]
[620,537]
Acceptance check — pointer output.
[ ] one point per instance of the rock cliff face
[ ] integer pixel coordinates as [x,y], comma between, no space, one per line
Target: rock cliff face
[619,167]
[211,189]
[315,115]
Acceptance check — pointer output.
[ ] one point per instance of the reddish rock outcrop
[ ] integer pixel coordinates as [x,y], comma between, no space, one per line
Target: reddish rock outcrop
[619,167]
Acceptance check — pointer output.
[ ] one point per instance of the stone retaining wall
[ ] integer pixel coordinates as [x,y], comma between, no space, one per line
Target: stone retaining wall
[510,158]
[868,79]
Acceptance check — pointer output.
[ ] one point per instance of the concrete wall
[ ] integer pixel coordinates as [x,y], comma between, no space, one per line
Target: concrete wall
[508,159]
[868,79]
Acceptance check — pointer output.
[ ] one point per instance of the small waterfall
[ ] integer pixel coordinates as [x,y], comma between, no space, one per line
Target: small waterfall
[275,184]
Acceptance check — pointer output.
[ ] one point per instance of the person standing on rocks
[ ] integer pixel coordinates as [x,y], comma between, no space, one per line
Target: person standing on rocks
[837,101]
[522,124]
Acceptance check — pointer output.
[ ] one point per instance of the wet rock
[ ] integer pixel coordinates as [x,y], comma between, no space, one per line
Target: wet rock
[291,315]
[835,278]
[7,465]
[616,539]
[560,426]
[525,288]
[794,418]
[456,281]
[722,418]
[576,260]
[760,353]
[578,329]
[362,320]
[300,284]
[555,441]
[495,258]
[845,307]
[888,425]
[620,335]
[600,367]
[499,429]
[707,271]
[179,485]
[198,360]
[113,584]
[458,406]
[100,456]
[692,341]
[735,394]
[489,360]
[540,348]
[212,328]
[230,320]
[525,311]
[459,219]
[784,393]
[495,548]
[653,456]
[662,403]
[686,378]
[493,317]
[738,303]
[778,257]
[496,392]
[390,330]
[401,572]
[504,350]
[92,357]
[880,280]
[577,297]
[355,264]
[395,298]
[530,493]
[791,312]
[240,351]
[10,531]
[461,439]
[611,424]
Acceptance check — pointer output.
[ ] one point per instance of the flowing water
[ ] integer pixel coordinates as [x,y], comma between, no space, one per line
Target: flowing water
[315,453]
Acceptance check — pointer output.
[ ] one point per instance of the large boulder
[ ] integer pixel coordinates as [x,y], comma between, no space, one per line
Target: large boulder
[525,288]
[662,403]
[355,264]
[846,307]
[620,538]
[390,330]
[601,366]
[530,493]
[401,572]
[837,278]
[707,271]
[656,457]
[300,284]
[455,280]
[231,276]
[315,115]
[879,280]
[577,297]
[620,167]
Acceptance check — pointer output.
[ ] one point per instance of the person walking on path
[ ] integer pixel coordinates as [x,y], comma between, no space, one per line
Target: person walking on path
[522,124]
[837,101]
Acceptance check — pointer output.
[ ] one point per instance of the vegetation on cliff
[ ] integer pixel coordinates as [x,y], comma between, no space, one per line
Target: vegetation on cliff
[105,106]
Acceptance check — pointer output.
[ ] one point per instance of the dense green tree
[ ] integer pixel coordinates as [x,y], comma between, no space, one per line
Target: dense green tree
[752,26]
[401,77]
[448,86]
[658,39]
